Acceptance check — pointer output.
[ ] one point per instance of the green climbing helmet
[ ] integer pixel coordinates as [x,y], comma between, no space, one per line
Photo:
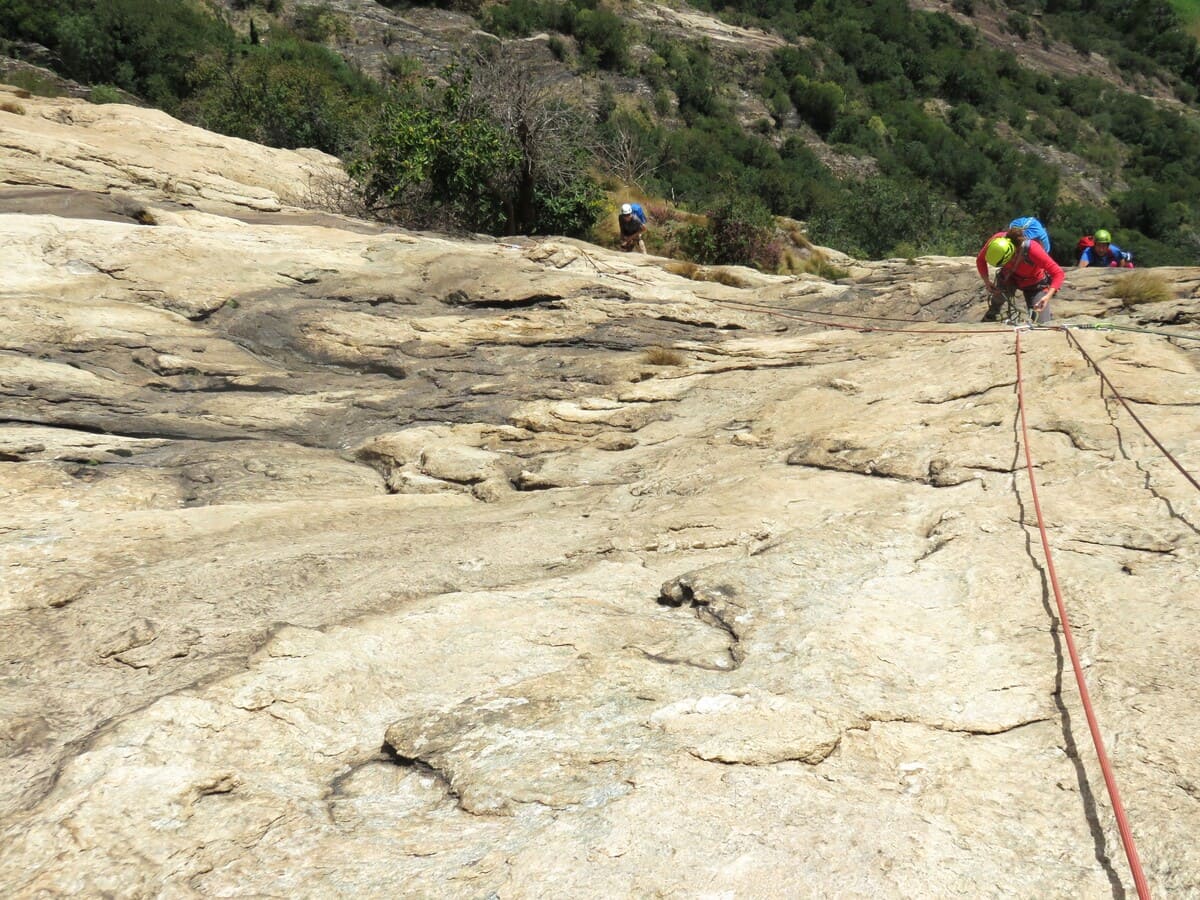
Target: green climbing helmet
[1102,237]
[999,251]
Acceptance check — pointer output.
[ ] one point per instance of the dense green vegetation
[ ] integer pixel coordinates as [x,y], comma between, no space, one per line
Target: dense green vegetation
[440,156]
[600,34]
[423,155]
[176,55]
[950,138]
[950,125]
[146,47]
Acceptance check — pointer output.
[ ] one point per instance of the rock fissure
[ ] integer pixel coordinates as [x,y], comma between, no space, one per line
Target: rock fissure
[965,395]
[1112,407]
[1123,545]
[979,730]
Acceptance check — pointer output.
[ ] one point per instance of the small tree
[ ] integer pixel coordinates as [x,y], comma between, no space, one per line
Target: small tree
[430,164]
[740,231]
[629,149]
[553,138]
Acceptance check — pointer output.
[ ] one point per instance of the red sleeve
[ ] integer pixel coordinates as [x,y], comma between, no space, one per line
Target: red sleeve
[1040,258]
[981,260]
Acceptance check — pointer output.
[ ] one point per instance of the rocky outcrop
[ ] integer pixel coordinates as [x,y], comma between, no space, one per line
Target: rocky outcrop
[348,561]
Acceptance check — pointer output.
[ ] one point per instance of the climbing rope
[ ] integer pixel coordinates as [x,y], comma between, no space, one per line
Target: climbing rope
[1135,865]
[848,326]
[1063,328]
[1109,326]
[1127,841]
[1072,339]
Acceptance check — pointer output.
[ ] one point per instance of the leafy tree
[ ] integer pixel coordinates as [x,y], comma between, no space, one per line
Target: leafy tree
[740,231]
[430,168]
[286,93]
[879,216]
[553,137]
[817,102]
[147,47]
[492,151]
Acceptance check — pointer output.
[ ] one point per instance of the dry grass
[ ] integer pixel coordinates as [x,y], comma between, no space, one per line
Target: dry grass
[134,209]
[22,93]
[798,237]
[686,269]
[725,277]
[812,263]
[332,193]
[694,272]
[662,356]
[1140,287]
[819,264]
[9,106]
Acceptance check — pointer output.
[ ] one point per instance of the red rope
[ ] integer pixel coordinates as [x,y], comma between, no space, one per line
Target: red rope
[770,310]
[1157,443]
[1139,878]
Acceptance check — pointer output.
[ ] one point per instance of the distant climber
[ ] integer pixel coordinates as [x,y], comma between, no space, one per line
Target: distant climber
[1101,251]
[1023,264]
[632,222]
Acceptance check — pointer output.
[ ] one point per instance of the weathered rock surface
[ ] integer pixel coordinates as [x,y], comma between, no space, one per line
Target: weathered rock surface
[339,561]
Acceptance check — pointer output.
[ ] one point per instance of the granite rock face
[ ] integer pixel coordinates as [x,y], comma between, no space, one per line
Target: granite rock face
[348,561]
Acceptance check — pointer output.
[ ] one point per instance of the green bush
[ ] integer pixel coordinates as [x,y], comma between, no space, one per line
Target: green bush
[876,218]
[105,93]
[318,23]
[427,167]
[571,209]
[37,84]
[446,157]
[286,93]
[817,102]
[601,34]
[740,231]
[147,47]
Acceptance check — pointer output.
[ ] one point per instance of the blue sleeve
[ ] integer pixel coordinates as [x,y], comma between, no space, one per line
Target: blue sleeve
[1088,256]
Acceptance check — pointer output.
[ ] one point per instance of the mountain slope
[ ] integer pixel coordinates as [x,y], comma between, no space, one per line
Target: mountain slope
[349,560]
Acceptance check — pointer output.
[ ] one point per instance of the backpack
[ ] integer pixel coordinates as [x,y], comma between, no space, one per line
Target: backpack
[639,212]
[1033,229]
[1086,242]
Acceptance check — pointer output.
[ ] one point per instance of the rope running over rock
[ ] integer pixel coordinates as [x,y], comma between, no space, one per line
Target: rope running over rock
[1110,782]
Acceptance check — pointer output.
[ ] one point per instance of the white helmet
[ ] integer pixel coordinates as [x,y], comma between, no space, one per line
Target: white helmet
[626,209]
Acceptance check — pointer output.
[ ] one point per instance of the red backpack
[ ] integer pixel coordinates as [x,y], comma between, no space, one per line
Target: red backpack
[1084,243]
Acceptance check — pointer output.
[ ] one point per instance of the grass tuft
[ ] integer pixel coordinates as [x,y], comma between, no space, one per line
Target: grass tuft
[812,263]
[1140,287]
[34,84]
[684,268]
[134,209]
[725,277]
[9,106]
[662,356]
[688,269]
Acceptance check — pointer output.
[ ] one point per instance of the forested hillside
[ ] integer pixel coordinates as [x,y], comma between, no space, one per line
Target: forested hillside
[889,130]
